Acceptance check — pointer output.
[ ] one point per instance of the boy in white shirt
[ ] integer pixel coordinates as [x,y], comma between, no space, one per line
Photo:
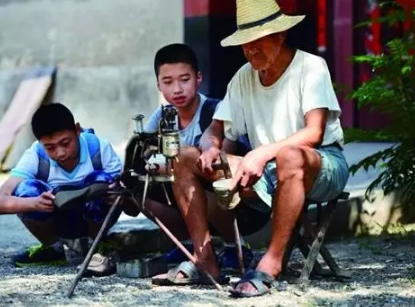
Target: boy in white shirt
[178,79]
[64,154]
[283,99]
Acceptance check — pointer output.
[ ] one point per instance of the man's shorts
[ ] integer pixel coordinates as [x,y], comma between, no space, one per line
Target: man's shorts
[70,223]
[329,184]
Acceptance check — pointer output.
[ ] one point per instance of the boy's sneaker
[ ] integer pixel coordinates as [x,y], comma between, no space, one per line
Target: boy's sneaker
[100,266]
[228,258]
[39,255]
[102,263]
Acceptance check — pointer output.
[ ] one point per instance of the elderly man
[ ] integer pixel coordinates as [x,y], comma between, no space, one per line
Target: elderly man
[284,100]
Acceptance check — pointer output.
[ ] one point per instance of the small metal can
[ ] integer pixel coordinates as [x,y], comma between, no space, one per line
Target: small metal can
[170,144]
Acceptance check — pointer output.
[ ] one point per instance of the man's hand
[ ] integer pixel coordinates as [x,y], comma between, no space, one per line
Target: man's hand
[43,202]
[207,158]
[250,169]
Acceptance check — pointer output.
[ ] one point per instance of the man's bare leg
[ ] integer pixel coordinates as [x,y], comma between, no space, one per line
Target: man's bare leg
[192,201]
[297,169]
[221,220]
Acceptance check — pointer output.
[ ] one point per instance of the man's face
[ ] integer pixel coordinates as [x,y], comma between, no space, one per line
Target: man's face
[262,52]
[179,83]
[63,147]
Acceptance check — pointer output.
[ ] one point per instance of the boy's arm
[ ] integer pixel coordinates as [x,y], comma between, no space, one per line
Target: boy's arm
[26,168]
[11,204]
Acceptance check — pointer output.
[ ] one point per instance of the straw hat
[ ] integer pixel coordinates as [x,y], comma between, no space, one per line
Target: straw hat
[259,18]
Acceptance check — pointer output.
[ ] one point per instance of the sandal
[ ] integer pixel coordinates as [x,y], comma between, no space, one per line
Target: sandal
[192,276]
[260,280]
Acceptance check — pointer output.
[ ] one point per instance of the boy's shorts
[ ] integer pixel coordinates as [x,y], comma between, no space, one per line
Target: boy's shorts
[70,223]
[329,184]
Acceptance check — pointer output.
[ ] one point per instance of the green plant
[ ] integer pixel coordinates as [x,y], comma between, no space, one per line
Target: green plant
[391,90]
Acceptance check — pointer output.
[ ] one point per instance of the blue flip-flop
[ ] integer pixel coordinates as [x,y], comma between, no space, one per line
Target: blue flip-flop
[261,281]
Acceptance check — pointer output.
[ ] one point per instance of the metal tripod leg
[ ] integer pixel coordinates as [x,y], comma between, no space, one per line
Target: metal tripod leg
[238,246]
[94,245]
[166,194]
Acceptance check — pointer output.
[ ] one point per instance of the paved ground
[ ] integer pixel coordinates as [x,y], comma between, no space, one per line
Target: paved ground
[383,275]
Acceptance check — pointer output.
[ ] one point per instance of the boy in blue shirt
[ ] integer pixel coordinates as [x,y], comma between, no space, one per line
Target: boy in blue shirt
[178,79]
[64,154]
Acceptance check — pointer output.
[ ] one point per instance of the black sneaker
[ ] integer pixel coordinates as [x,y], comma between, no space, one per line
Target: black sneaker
[39,255]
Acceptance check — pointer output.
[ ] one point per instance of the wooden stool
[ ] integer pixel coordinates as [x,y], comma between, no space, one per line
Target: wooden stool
[309,238]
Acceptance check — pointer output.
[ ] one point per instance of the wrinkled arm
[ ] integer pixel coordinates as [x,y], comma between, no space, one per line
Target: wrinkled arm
[213,136]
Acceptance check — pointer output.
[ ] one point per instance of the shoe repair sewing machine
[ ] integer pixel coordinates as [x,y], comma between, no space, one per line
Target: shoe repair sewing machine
[143,146]
[141,170]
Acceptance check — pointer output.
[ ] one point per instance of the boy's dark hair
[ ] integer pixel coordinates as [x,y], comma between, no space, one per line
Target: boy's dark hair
[52,118]
[175,53]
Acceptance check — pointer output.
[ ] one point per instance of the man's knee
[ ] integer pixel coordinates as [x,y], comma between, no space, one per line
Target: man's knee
[291,162]
[186,161]
[188,153]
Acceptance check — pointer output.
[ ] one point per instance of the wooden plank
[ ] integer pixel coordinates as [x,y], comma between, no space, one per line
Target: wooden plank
[29,96]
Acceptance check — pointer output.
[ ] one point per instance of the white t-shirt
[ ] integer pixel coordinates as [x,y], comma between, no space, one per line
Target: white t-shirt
[273,113]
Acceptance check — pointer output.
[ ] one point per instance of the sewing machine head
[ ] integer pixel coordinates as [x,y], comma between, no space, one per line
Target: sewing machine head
[143,146]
